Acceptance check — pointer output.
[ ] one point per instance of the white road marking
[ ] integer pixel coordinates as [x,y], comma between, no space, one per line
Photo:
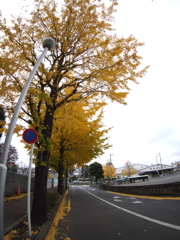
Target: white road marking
[137,202]
[91,189]
[137,214]
[117,199]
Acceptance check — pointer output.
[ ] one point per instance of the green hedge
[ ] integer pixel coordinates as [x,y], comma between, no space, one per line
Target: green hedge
[52,198]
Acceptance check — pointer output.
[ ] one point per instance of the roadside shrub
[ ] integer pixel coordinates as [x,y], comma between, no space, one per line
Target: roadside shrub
[52,198]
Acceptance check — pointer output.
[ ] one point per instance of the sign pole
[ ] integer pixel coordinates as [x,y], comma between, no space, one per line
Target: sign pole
[29,136]
[29,191]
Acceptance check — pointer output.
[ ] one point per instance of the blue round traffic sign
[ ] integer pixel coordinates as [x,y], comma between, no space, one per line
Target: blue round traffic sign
[30,136]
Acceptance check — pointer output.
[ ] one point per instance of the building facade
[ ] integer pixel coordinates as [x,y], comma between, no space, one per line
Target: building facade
[156,170]
[136,166]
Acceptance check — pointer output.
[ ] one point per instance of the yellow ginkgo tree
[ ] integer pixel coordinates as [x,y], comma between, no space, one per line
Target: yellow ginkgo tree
[78,136]
[89,60]
[128,169]
[109,170]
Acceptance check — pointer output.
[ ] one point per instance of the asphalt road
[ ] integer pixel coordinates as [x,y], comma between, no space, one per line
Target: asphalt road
[100,215]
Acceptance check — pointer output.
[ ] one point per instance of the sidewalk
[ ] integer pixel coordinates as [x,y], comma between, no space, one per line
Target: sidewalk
[15,211]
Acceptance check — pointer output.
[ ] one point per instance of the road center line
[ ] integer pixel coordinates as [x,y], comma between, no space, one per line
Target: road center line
[136,214]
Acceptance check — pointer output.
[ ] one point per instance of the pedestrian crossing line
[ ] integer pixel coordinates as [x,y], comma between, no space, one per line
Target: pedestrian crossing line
[173,226]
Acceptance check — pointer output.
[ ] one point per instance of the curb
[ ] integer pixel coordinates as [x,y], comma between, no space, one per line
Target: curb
[45,229]
[14,225]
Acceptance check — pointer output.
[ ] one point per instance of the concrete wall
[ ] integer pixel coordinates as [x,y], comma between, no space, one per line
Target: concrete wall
[171,189]
[14,180]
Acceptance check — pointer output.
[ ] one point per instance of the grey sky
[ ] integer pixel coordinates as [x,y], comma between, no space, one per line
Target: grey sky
[150,123]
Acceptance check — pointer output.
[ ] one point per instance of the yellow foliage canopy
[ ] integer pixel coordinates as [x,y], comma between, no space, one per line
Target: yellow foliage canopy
[109,171]
[78,133]
[128,169]
[87,60]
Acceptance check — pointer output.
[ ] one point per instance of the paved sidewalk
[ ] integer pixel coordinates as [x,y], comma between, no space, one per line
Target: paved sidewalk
[15,210]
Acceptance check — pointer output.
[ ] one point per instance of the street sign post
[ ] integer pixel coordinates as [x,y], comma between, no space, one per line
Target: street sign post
[29,136]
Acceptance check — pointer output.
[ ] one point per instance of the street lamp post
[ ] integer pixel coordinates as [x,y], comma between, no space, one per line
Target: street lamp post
[48,44]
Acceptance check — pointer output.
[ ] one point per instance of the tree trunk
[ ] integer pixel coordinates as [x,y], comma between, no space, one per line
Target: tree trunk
[66,178]
[38,213]
[60,178]
[60,184]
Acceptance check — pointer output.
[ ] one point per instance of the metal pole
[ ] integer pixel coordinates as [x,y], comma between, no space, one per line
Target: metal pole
[161,164]
[29,191]
[48,44]
[157,165]
[110,169]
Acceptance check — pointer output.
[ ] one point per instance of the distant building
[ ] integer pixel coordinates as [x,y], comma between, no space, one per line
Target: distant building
[156,170]
[136,166]
[139,166]
[119,172]
[176,166]
[25,171]
[77,172]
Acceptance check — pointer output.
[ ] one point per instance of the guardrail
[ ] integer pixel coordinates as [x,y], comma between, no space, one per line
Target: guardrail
[171,189]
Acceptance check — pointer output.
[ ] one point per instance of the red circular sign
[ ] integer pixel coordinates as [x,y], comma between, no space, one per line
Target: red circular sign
[30,136]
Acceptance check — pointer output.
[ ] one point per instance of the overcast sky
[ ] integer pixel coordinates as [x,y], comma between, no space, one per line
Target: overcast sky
[150,122]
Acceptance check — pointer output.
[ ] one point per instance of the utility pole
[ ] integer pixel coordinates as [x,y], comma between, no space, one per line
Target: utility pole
[161,164]
[110,169]
[157,165]
[159,155]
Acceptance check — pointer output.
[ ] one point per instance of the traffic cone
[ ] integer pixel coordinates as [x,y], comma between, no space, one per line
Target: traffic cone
[18,191]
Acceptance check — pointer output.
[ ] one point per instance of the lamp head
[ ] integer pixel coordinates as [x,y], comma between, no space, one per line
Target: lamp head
[49,43]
